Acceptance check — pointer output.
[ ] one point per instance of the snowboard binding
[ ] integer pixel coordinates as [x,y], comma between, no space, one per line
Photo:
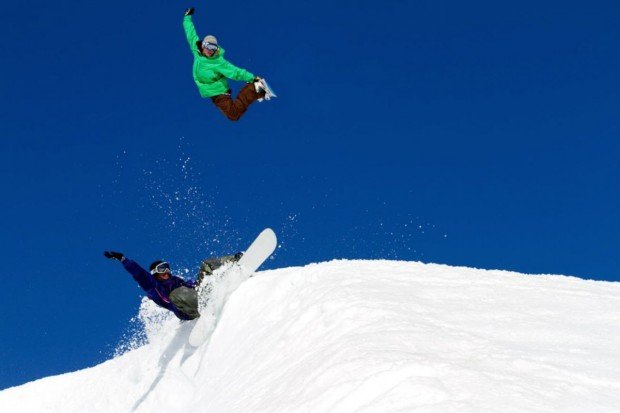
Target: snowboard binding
[261,87]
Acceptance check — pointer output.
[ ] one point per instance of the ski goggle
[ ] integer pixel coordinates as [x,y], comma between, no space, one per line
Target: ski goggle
[161,268]
[210,46]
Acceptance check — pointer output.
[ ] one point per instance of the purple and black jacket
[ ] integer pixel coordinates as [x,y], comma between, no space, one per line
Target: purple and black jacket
[158,290]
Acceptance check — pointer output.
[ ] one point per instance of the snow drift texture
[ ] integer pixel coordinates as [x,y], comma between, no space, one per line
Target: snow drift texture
[368,336]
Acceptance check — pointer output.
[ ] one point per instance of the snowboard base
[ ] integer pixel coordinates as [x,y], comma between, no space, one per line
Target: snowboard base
[223,285]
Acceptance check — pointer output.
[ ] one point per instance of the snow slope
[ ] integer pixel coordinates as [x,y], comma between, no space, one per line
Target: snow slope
[368,336]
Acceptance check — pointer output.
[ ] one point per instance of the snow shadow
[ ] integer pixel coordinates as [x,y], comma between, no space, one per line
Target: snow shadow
[178,342]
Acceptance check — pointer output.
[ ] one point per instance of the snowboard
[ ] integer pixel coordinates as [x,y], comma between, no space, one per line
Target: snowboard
[269,91]
[263,246]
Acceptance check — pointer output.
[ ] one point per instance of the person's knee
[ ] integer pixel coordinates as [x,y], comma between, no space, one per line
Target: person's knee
[234,116]
[186,300]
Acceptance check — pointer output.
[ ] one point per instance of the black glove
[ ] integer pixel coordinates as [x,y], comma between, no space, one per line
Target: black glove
[189,11]
[114,255]
[238,256]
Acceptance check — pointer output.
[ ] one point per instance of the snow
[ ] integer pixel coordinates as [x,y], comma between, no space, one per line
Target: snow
[367,336]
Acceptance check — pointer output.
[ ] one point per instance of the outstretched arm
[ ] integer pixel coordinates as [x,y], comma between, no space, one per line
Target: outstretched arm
[190,30]
[142,276]
[233,72]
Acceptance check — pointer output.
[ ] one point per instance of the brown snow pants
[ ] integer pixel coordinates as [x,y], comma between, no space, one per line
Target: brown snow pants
[234,109]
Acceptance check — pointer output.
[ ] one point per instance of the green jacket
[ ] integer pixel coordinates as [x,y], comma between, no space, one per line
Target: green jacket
[210,73]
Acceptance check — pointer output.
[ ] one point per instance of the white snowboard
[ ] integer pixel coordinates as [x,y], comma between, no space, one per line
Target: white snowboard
[224,284]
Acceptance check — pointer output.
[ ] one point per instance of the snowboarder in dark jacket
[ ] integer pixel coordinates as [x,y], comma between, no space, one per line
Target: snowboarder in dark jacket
[169,291]
[166,290]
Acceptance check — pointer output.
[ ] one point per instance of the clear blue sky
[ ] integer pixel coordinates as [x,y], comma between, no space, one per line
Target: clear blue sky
[471,134]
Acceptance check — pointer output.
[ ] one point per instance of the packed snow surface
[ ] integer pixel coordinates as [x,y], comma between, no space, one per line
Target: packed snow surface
[368,336]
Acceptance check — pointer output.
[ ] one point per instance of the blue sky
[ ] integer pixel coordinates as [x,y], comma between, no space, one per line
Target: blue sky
[473,134]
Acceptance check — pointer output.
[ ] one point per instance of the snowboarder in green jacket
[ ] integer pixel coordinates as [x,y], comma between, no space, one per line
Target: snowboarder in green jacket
[211,71]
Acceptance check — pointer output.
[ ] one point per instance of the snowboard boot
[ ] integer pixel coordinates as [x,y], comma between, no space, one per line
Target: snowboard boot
[209,265]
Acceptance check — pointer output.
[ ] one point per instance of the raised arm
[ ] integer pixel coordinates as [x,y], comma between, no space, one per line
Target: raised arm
[142,276]
[190,30]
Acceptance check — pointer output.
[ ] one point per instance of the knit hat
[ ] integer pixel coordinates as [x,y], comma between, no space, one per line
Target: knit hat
[209,39]
[159,267]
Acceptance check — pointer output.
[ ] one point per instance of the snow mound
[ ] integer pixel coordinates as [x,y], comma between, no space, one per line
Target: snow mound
[368,336]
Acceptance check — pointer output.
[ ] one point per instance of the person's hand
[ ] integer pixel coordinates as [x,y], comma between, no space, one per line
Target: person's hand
[189,11]
[114,255]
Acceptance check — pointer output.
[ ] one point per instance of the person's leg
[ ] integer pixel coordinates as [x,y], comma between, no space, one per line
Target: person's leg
[248,95]
[234,109]
[211,264]
[226,105]
[186,300]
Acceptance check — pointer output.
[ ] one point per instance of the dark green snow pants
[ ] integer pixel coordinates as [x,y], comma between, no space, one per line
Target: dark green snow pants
[186,300]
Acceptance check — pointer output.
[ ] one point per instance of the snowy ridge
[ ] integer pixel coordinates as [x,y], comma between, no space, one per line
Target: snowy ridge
[368,336]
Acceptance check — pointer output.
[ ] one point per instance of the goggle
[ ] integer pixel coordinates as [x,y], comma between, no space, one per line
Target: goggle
[209,46]
[161,268]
